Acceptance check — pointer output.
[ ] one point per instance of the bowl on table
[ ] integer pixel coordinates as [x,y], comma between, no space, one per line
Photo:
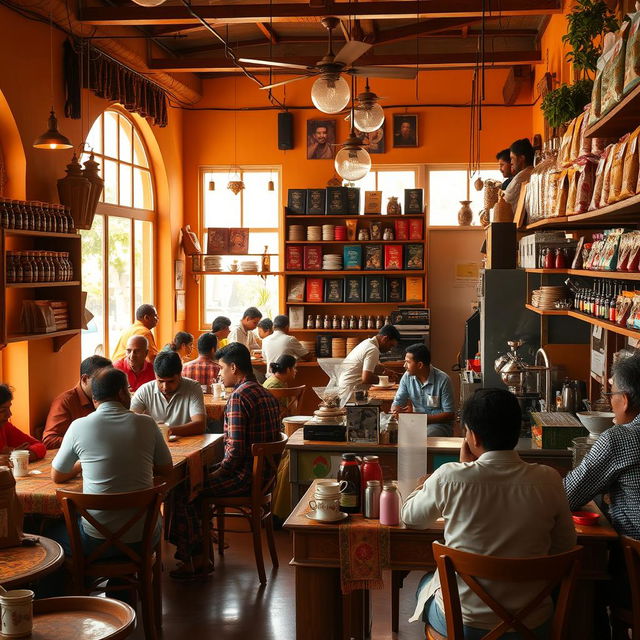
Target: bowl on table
[585,518]
[596,422]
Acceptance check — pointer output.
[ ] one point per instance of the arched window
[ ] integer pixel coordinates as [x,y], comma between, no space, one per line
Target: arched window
[117,252]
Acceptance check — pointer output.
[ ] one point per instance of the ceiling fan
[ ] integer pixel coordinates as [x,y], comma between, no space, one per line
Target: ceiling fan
[330,92]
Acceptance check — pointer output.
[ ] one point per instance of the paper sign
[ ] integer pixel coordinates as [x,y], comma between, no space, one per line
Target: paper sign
[466,274]
[412,451]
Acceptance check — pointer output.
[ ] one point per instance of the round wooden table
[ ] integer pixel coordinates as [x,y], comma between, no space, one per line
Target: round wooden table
[22,565]
[214,407]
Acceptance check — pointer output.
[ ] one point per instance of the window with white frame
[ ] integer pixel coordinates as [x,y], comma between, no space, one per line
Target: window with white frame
[117,252]
[255,208]
[391,180]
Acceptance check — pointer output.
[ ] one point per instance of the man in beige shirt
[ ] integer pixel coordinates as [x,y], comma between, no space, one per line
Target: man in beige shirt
[522,154]
[494,504]
[244,332]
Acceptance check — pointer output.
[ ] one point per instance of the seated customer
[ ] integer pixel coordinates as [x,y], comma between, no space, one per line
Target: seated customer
[182,344]
[135,364]
[252,415]
[117,451]
[221,328]
[283,372]
[172,399]
[146,320]
[203,369]
[280,343]
[493,504]
[72,404]
[11,438]
[265,328]
[425,389]
[243,333]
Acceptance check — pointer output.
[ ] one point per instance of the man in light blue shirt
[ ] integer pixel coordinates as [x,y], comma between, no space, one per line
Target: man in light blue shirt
[425,389]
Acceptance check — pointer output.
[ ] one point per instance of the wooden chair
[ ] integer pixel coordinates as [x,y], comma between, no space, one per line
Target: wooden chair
[255,508]
[559,569]
[293,395]
[624,619]
[141,572]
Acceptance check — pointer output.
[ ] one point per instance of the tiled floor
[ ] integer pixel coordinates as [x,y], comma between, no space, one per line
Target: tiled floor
[231,604]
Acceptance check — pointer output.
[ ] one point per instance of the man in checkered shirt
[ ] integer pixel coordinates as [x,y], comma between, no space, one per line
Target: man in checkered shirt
[612,466]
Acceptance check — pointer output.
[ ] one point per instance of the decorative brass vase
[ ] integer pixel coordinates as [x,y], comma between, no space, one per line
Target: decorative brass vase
[74,191]
[465,214]
[393,207]
[502,212]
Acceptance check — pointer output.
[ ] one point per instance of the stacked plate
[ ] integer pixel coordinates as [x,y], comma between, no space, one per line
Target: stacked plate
[546,297]
[332,262]
[328,231]
[314,233]
[249,265]
[213,263]
[338,347]
[352,343]
[310,346]
[340,232]
[297,232]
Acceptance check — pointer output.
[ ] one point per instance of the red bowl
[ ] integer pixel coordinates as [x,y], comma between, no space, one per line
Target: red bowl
[584,517]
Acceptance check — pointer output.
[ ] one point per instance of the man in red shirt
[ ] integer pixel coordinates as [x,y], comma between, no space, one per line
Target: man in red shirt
[72,404]
[135,364]
[11,438]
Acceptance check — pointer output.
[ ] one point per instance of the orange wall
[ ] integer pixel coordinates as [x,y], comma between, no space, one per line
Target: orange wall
[33,369]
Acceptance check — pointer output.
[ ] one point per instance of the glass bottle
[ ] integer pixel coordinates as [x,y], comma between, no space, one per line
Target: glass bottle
[335,324]
[613,303]
[319,324]
[266,260]
[69,265]
[11,267]
[59,267]
[4,213]
[17,263]
[392,429]
[17,215]
[362,323]
[349,471]
[344,322]
[27,216]
[27,267]
[38,267]
[311,323]
[49,272]
[389,505]
[327,322]
[371,323]
[70,226]
[353,323]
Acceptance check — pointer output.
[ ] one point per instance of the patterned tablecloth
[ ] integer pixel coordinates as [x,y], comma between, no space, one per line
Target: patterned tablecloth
[37,491]
[215,408]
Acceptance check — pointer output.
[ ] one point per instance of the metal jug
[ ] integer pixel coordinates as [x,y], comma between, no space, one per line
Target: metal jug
[571,396]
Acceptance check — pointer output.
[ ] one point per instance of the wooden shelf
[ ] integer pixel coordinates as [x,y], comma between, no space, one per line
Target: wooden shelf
[611,275]
[38,285]
[40,234]
[622,119]
[334,330]
[359,272]
[365,216]
[347,304]
[237,273]
[354,241]
[547,312]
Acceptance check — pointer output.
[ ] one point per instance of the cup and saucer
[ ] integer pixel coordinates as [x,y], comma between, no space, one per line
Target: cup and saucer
[383,383]
[325,507]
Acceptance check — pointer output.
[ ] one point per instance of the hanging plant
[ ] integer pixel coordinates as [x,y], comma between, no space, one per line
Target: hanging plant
[566,102]
[587,23]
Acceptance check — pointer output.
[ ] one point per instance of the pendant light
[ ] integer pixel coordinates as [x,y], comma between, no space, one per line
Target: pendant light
[352,162]
[330,93]
[369,115]
[52,138]
[149,3]
[235,186]
[212,185]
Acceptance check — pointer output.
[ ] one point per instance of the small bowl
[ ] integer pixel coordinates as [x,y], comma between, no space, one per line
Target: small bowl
[596,422]
[586,518]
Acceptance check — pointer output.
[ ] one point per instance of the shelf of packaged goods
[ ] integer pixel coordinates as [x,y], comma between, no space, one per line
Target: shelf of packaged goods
[358,272]
[605,324]
[333,330]
[39,234]
[365,216]
[611,275]
[348,304]
[624,212]
[237,273]
[38,285]
[354,241]
[622,119]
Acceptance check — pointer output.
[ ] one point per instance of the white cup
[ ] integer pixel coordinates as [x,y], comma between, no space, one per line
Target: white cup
[205,388]
[383,381]
[326,508]
[20,460]
[217,388]
[330,487]
[17,613]
[164,429]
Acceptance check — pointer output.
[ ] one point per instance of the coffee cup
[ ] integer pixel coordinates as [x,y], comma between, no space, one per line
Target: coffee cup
[217,389]
[326,508]
[164,429]
[20,460]
[205,388]
[330,487]
[17,613]
[383,381]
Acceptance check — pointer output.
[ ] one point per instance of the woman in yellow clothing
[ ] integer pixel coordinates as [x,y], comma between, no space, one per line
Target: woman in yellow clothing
[283,372]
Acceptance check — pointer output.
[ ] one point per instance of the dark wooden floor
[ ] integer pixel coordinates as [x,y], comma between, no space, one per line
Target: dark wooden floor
[231,604]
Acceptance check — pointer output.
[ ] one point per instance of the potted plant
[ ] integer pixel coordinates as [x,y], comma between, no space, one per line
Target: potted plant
[565,103]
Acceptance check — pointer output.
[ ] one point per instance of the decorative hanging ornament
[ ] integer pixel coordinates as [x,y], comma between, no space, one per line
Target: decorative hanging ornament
[74,191]
[92,174]
[352,162]
[212,185]
[236,186]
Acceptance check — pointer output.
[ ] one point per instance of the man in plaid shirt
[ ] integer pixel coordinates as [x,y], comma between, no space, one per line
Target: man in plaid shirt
[203,369]
[252,415]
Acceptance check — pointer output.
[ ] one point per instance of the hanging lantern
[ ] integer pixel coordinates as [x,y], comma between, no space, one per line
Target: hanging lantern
[74,191]
[212,185]
[270,186]
[236,186]
[97,185]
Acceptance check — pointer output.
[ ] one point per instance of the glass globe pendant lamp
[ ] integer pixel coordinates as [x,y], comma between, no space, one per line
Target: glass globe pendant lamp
[369,115]
[352,162]
[149,3]
[330,93]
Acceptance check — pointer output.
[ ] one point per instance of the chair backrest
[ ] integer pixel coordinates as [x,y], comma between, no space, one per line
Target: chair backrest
[143,504]
[631,548]
[550,570]
[266,458]
[293,395]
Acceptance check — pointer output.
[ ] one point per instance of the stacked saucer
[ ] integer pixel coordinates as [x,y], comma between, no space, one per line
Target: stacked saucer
[249,265]
[332,262]
[546,297]
[213,263]
[328,231]
[340,232]
[297,232]
[314,233]
[310,346]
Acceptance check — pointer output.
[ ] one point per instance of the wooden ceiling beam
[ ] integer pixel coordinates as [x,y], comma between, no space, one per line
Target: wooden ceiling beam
[133,15]
[410,31]
[268,32]
[426,60]
[369,30]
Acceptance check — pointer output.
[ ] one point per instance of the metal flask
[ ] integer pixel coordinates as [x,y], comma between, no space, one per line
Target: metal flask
[372,499]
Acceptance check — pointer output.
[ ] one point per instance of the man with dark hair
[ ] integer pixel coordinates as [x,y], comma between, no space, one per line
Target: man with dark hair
[265,328]
[362,366]
[252,415]
[504,165]
[425,389]
[243,333]
[135,364]
[116,450]
[494,504]
[204,369]
[521,154]
[221,328]
[172,399]
[146,319]
[73,403]
[280,343]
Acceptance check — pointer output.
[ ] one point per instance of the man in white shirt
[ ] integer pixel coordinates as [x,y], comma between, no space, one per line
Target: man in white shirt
[244,332]
[280,343]
[172,399]
[492,504]
[362,366]
[522,154]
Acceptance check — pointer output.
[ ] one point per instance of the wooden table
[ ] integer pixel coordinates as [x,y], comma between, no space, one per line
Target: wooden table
[312,459]
[21,565]
[386,395]
[214,406]
[321,611]
[37,491]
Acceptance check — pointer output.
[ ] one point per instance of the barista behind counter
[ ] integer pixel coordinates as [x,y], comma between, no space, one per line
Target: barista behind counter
[425,389]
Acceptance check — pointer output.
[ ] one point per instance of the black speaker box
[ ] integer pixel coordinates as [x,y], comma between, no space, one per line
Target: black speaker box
[285,130]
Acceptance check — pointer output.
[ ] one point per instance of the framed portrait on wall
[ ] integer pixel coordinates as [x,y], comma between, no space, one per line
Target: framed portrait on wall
[405,130]
[181,306]
[375,140]
[179,269]
[321,139]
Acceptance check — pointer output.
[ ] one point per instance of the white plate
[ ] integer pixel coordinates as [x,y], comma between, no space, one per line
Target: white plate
[385,386]
[343,516]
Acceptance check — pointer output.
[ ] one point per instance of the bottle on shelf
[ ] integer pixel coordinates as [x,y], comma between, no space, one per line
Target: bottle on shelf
[371,323]
[335,324]
[362,323]
[344,322]
[353,323]
[311,323]
[327,322]
[11,267]
[266,260]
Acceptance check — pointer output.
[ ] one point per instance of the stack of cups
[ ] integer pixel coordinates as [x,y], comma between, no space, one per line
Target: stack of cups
[314,233]
[340,232]
[297,232]
[326,503]
[17,613]
[328,232]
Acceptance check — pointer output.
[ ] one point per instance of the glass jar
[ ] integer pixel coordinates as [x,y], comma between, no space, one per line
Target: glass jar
[17,215]
[17,263]
[311,323]
[11,266]
[349,471]
[58,266]
[69,267]
[371,470]
[389,505]
[392,429]
[27,267]
[27,216]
